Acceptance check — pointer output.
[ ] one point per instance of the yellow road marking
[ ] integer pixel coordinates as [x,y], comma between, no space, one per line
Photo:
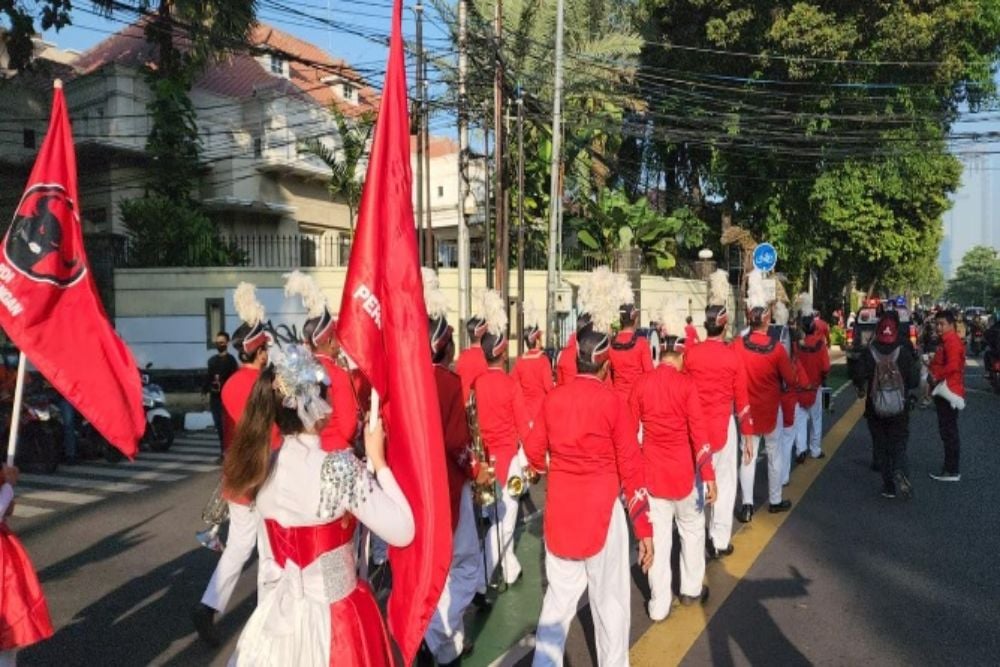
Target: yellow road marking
[668,642]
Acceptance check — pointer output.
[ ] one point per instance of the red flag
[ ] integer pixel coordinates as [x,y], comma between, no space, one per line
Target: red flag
[48,300]
[383,327]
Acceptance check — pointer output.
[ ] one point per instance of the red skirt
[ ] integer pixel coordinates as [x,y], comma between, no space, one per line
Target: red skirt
[359,637]
[24,616]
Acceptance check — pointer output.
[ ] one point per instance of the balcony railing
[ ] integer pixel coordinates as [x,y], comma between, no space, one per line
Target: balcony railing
[278,251]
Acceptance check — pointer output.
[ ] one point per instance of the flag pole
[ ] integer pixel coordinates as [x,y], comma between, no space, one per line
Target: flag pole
[15,420]
[373,413]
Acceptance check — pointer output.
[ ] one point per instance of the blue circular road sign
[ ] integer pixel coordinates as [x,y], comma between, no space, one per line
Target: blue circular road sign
[765,257]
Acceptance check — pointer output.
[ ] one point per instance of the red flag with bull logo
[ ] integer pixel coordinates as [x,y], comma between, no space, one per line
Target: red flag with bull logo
[49,304]
[383,328]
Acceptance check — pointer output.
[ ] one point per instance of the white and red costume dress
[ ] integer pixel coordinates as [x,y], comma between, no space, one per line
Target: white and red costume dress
[589,435]
[311,607]
[722,387]
[24,615]
[674,447]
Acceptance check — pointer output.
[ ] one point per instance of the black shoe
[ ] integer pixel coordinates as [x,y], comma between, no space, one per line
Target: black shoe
[203,618]
[888,491]
[715,554]
[822,455]
[481,602]
[426,659]
[903,486]
[945,476]
[688,600]
[783,506]
[745,515]
[800,458]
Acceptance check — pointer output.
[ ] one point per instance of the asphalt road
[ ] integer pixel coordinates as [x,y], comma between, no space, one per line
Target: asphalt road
[849,578]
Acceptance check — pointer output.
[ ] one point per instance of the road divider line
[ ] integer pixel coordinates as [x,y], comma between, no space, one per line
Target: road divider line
[82,483]
[668,642]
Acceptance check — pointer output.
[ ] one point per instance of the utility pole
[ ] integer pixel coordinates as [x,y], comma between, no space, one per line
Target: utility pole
[418,127]
[487,261]
[426,138]
[464,302]
[502,242]
[554,186]
[520,218]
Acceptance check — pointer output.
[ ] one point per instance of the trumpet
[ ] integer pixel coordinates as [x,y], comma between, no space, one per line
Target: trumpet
[518,485]
[215,513]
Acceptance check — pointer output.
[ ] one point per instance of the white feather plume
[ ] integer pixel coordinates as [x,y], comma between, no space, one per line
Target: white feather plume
[300,284]
[494,313]
[666,310]
[718,288]
[532,316]
[623,290]
[804,304]
[601,292]
[756,295]
[780,313]
[248,308]
[434,298]
[477,302]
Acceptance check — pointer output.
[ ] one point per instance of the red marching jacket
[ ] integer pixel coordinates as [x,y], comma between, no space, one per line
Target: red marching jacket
[533,373]
[948,364]
[813,357]
[340,429]
[460,464]
[629,363]
[470,365]
[718,374]
[767,366]
[590,437]
[235,394]
[503,419]
[566,362]
[674,435]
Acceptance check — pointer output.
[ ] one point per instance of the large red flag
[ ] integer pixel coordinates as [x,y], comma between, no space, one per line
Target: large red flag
[383,327]
[48,301]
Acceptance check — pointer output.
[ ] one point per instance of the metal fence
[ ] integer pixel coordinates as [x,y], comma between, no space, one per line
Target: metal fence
[252,250]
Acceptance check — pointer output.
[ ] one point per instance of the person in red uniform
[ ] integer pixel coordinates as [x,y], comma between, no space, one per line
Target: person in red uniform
[250,341]
[445,636]
[471,361]
[676,454]
[813,355]
[767,365]
[630,353]
[343,428]
[585,440]
[503,426]
[533,371]
[24,613]
[946,372]
[566,359]
[690,333]
[722,387]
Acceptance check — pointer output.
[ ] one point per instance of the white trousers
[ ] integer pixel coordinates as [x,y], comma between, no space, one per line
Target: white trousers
[605,578]
[748,471]
[240,544]
[788,443]
[809,422]
[690,520]
[446,632]
[8,658]
[505,521]
[719,516]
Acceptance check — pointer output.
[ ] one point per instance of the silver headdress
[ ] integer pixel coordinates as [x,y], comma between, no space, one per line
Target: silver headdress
[297,379]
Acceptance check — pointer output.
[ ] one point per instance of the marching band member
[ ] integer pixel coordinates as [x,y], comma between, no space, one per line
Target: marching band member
[24,614]
[503,425]
[813,354]
[767,365]
[445,637]
[630,353]
[585,439]
[533,370]
[722,387]
[251,342]
[789,401]
[471,361]
[320,335]
[676,453]
[566,360]
[311,609]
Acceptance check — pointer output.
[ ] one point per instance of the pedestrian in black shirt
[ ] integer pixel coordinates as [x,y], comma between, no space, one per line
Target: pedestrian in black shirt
[220,367]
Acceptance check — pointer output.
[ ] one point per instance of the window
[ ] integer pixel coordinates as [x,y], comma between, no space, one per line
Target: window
[98,217]
[277,65]
[215,320]
[447,253]
[28,137]
[348,92]
[258,147]
[440,191]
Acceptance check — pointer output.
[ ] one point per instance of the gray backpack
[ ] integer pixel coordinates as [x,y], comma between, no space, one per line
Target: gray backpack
[888,392]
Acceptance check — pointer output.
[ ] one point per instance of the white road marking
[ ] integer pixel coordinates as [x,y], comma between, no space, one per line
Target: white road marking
[22,511]
[67,497]
[83,483]
[123,471]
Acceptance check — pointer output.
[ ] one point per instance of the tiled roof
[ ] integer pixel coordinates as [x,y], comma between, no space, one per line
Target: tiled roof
[437,146]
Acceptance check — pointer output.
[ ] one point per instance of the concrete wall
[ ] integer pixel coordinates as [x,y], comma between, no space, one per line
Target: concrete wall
[161,313]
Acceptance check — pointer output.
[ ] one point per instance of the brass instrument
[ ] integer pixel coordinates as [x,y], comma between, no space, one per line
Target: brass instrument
[518,485]
[215,513]
[482,494]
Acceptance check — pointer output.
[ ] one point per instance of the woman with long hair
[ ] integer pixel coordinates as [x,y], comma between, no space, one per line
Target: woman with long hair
[311,606]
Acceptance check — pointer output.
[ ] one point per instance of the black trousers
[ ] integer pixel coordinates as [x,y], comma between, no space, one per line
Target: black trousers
[889,438]
[215,405]
[948,428]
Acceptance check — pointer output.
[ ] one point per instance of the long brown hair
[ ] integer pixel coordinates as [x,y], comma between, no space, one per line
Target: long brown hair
[247,462]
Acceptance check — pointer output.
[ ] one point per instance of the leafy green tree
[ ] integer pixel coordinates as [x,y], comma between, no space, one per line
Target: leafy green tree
[977,279]
[347,164]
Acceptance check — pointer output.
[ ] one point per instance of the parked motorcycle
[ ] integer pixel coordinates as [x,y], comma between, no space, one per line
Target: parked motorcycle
[40,435]
[159,433]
